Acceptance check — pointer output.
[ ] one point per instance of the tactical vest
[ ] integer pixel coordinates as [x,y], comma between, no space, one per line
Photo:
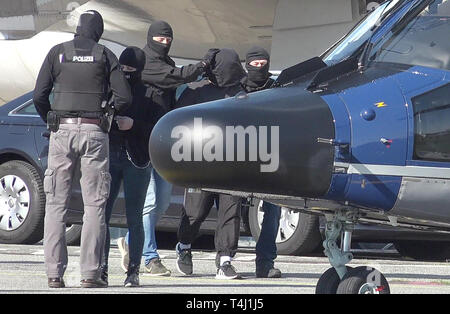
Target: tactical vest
[80,85]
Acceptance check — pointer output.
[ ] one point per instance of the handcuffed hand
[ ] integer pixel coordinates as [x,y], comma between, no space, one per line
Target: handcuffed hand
[124,123]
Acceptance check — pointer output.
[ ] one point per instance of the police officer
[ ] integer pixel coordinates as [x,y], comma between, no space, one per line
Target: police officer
[160,72]
[162,77]
[80,71]
[257,63]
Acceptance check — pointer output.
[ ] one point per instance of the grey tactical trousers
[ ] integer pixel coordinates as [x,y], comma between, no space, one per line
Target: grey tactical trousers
[86,146]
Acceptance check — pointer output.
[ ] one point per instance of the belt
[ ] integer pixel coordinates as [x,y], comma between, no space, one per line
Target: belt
[79,121]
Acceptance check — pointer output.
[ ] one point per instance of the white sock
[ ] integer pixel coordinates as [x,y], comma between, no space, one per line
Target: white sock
[182,246]
[224,259]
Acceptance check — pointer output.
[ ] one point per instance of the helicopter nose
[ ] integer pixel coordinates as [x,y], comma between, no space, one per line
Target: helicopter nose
[265,142]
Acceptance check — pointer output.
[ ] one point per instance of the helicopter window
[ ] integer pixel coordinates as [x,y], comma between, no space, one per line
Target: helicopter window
[421,39]
[357,37]
[432,125]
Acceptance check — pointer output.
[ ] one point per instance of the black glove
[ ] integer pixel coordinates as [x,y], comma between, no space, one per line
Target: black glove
[208,59]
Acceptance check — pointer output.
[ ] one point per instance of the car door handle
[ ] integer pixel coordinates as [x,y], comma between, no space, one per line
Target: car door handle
[46,134]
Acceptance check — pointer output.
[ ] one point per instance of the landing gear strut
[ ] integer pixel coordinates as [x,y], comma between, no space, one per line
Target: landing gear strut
[342,279]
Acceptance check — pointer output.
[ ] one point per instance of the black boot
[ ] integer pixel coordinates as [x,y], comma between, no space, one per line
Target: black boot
[132,276]
[104,273]
[56,283]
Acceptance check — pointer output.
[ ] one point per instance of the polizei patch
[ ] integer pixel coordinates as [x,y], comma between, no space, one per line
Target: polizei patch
[83,59]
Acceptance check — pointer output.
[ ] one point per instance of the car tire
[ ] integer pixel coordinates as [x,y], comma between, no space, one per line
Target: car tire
[303,236]
[424,250]
[73,234]
[18,227]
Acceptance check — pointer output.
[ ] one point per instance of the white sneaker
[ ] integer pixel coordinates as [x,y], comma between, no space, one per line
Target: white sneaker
[123,249]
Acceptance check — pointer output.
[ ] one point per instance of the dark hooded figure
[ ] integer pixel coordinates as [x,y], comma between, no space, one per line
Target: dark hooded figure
[143,110]
[160,72]
[223,81]
[257,63]
[79,72]
[90,26]
[130,162]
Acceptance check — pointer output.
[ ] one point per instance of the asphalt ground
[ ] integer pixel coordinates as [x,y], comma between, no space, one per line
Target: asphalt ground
[22,271]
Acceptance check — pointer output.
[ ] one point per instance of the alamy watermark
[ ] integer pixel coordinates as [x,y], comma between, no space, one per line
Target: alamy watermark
[235,143]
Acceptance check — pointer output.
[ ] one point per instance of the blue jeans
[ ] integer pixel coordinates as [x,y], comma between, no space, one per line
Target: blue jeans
[156,203]
[135,184]
[266,248]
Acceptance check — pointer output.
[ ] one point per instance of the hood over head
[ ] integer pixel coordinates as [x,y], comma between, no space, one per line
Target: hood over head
[226,69]
[90,25]
[258,75]
[159,28]
[133,57]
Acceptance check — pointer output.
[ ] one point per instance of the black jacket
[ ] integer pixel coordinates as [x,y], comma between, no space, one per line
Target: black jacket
[204,91]
[250,86]
[50,67]
[163,77]
[145,114]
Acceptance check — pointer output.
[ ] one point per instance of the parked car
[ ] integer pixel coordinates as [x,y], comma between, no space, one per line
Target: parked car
[23,159]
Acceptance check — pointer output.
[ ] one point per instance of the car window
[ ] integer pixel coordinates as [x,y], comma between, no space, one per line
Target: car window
[421,38]
[27,109]
[181,88]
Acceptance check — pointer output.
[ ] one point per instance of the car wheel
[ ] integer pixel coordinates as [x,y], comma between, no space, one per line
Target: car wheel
[73,234]
[298,232]
[22,203]
[424,250]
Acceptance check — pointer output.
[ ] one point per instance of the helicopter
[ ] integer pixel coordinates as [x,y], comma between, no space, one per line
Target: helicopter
[360,135]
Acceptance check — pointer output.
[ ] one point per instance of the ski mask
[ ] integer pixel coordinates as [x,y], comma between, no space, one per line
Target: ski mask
[257,74]
[90,25]
[159,28]
[133,57]
[226,69]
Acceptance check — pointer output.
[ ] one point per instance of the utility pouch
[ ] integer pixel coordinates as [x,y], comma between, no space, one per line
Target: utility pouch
[106,122]
[52,121]
[107,117]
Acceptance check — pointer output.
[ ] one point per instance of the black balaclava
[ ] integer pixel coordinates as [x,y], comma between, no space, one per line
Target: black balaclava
[255,74]
[133,57]
[90,25]
[226,69]
[159,28]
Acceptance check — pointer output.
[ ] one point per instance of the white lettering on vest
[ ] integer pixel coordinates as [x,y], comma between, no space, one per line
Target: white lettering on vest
[83,59]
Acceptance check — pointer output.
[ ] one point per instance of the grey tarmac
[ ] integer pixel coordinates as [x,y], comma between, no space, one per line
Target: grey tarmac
[22,271]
